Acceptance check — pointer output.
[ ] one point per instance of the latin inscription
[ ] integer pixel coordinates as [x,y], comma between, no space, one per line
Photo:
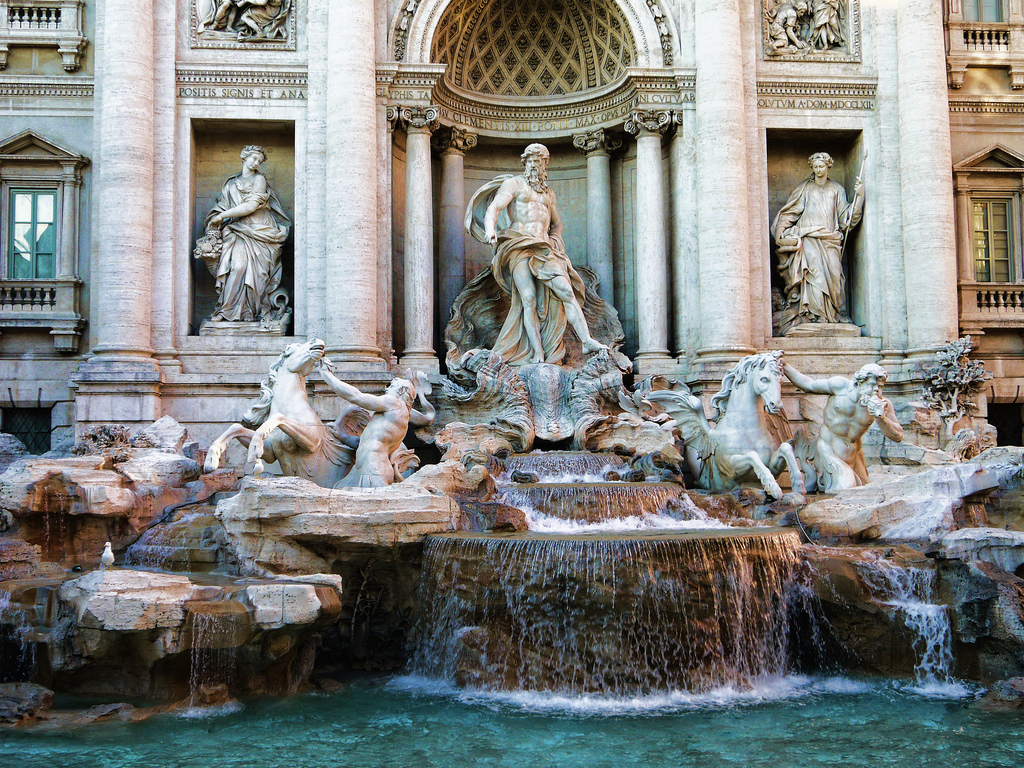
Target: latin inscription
[230,92]
[829,104]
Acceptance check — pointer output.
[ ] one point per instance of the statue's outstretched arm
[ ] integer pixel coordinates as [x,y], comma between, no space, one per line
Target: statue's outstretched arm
[371,403]
[426,416]
[806,383]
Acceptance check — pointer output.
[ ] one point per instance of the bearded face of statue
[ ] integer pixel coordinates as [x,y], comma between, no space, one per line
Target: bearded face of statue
[536,172]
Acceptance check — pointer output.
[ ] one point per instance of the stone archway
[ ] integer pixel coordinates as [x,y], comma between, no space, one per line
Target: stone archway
[652,31]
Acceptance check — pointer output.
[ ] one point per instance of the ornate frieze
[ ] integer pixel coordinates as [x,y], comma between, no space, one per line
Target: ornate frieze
[453,138]
[811,30]
[664,32]
[262,84]
[243,24]
[826,95]
[596,141]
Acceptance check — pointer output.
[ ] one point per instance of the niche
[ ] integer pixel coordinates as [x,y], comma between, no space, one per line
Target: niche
[216,148]
[788,154]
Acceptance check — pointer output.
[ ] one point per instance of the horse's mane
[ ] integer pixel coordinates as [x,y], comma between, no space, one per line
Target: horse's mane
[738,374]
[260,409]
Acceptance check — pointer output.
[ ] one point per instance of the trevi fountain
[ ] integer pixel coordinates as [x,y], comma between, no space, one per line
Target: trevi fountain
[792,541]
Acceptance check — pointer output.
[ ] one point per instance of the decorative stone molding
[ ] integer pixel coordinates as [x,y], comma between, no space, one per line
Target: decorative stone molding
[603,108]
[802,95]
[646,121]
[984,44]
[596,141]
[263,84]
[664,33]
[453,139]
[811,30]
[418,118]
[985,107]
[29,87]
[243,24]
[43,23]
[402,28]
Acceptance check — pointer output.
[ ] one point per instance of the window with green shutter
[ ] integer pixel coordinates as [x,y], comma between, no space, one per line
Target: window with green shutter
[992,229]
[32,249]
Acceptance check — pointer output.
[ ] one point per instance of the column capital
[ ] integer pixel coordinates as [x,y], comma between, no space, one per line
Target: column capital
[647,122]
[451,138]
[597,141]
[415,118]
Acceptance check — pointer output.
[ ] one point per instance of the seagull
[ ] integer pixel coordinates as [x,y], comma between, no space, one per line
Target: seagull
[107,558]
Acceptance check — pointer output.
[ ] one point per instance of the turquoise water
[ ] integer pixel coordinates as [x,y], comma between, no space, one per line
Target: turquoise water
[408,722]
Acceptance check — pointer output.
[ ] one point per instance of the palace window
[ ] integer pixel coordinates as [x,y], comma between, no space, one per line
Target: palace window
[983,10]
[992,239]
[33,238]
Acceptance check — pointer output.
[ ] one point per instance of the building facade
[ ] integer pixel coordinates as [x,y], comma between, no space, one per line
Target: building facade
[678,130]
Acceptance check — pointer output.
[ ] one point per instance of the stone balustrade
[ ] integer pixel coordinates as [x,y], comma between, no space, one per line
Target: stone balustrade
[56,23]
[49,304]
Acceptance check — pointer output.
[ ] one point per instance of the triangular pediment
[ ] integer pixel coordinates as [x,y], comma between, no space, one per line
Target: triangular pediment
[29,145]
[995,158]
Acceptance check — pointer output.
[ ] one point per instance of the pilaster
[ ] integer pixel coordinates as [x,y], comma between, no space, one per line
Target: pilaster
[597,146]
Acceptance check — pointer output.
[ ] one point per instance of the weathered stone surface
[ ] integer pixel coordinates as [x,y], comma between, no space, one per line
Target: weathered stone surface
[128,600]
[11,449]
[20,702]
[998,547]
[1004,696]
[915,507]
[21,560]
[164,433]
[290,526]
[159,468]
[275,605]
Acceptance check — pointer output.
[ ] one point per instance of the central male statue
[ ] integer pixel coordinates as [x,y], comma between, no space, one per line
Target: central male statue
[518,215]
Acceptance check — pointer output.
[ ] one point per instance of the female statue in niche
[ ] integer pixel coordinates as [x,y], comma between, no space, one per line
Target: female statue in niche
[252,226]
[809,231]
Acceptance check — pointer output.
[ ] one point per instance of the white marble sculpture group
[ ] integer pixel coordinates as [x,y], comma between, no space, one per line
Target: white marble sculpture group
[523,315]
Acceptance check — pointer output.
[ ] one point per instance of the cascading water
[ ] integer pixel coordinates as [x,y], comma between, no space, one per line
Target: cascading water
[909,592]
[595,502]
[213,628]
[595,614]
[566,465]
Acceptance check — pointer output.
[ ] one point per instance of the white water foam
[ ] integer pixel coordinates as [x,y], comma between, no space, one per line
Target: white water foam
[541,523]
[762,691]
[198,713]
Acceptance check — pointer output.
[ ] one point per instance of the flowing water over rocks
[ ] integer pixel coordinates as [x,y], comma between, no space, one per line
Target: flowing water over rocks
[619,615]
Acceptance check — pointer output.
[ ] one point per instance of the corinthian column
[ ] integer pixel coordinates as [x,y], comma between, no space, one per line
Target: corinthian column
[597,147]
[125,169]
[419,122]
[926,180]
[651,256]
[452,143]
[722,194]
[350,209]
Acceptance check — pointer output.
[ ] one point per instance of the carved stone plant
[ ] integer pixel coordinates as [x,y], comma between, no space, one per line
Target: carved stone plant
[954,382]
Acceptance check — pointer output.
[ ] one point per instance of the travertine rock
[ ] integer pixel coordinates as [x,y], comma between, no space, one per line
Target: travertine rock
[126,600]
[1004,696]
[11,449]
[20,702]
[157,468]
[291,526]
[1004,549]
[165,433]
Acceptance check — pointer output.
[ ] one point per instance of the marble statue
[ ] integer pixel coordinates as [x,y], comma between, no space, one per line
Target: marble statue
[835,460]
[748,441]
[827,25]
[809,232]
[245,234]
[248,20]
[381,457]
[784,23]
[281,425]
[519,217]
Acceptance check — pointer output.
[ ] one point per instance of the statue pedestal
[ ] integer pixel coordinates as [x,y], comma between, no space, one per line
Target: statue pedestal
[824,329]
[243,328]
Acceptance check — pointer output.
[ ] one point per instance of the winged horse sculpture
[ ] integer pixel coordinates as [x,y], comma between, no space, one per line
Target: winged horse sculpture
[749,441]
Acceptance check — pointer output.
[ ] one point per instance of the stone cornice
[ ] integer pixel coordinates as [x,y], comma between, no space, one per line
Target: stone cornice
[817,94]
[34,87]
[986,107]
[294,77]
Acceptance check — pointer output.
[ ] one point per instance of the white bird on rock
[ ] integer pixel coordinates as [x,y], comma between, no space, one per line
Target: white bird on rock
[107,558]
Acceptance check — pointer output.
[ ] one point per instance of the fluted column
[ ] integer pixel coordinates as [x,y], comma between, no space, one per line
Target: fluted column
[597,147]
[125,171]
[350,209]
[419,122]
[929,249]
[651,253]
[452,143]
[722,194]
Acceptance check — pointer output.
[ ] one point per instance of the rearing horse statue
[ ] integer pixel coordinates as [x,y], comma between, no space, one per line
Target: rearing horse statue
[745,445]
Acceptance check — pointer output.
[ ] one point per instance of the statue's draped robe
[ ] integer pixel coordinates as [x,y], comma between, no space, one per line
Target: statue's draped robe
[812,265]
[249,270]
[547,260]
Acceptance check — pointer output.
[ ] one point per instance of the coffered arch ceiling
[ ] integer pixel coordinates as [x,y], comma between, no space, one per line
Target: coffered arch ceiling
[511,48]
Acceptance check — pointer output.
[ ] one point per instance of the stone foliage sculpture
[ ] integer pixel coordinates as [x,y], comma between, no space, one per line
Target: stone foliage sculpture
[245,234]
[805,27]
[748,441]
[519,216]
[835,460]
[809,232]
[363,447]
[247,20]
[954,382]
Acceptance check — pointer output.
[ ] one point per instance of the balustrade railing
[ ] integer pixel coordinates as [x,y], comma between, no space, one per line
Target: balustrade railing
[987,40]
[999,299]
[27,296]
[33,17]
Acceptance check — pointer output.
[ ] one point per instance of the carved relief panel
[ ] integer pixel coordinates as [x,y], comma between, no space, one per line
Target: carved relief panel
[243,24]
[812,30]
